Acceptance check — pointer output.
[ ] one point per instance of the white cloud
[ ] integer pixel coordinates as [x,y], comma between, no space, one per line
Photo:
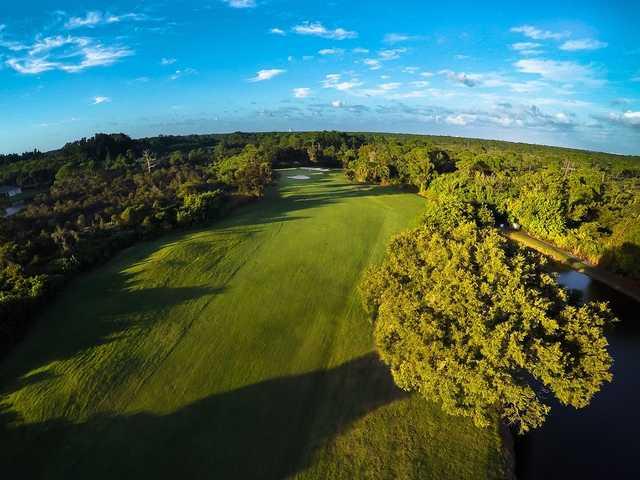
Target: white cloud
[98,100]
[316,29]
[420,84]
[167,61]
[302,92]
[410,70]
[361,50]
[384,56]
[391,54]
[537,34]
[347,85]
[390,86]
[333,80]
[93,18]
[62,53]
[337,104]
[183,73]
[582,44]
[527,48]
[467,79]
[372,63]
[426,74]
[460,119]
[560,71]
[277,31]
[396,38]
[31,67]
[628,118]
[89,20]
[240,3]
[98,56]
[268,74]
[331,51]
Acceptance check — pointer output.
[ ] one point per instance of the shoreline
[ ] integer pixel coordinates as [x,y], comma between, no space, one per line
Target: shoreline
[620,284]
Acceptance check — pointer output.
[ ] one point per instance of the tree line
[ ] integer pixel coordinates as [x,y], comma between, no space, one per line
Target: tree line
[106,192]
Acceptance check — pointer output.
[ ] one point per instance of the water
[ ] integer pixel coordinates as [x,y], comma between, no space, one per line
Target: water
[601,441]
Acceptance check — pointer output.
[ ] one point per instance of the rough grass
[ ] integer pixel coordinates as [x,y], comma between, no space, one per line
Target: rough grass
[236,351]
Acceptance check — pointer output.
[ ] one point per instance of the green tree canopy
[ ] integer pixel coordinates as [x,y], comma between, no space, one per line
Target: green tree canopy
[474,322]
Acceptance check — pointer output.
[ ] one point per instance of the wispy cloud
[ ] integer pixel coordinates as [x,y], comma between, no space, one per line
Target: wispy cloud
[383,56]
[391,54]
[183,73]
[396,38]
[302,92]
[94,18]
[331,51]
[334,80]
[268,74]
[62,53]
[277,31]
[372,63]
[317,29]
[167,61]
[560,71]
[98,100]
[240,3]
[527,48]
[538,34]
[582,44]
[390,86]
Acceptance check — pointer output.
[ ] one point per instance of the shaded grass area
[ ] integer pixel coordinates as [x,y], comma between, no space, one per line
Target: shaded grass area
[234,351]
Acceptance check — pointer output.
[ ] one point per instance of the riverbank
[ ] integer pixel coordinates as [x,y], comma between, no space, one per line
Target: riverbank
[618,283]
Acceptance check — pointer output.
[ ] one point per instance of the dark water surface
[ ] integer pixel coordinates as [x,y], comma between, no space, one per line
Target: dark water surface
[601,441]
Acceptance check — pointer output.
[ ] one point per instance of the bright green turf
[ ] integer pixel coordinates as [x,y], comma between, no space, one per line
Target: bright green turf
[236,351]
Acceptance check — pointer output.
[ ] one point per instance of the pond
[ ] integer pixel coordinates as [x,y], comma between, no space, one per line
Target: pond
[602,440]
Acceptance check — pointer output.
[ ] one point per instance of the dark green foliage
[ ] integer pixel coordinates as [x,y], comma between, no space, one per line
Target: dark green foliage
[248,171]
[198,207]
[97,195]
[471,321]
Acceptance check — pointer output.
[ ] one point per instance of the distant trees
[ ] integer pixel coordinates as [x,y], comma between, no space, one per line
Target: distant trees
[198,207]
[475,323]
[249,171]
[98,195]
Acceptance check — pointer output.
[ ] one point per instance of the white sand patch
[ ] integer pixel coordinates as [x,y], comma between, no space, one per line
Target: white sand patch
[300,177]
[316,169]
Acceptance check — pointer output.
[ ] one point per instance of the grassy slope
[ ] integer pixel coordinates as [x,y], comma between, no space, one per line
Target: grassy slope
[239,350]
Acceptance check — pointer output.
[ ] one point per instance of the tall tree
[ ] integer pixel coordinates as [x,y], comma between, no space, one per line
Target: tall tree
[471,321]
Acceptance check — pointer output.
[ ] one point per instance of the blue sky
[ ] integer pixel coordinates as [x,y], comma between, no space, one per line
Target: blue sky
[560,73]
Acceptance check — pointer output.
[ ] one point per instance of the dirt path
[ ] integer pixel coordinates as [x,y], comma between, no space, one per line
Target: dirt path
[623,285]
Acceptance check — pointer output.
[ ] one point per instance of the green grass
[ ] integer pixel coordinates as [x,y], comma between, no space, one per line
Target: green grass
[235,351]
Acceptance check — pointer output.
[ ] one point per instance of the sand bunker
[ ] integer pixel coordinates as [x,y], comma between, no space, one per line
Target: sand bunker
[316,169]
[300,177]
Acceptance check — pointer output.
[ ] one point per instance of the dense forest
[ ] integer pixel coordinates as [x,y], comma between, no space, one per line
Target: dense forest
[96,196]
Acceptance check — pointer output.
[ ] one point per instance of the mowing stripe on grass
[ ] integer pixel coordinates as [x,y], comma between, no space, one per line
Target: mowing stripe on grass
[236,351]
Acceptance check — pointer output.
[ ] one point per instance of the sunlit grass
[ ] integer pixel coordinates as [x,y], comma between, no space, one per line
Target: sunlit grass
[235,351]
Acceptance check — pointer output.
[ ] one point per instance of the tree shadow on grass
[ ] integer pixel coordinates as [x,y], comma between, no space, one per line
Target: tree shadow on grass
[269,430]
[129,311]
[281,202]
